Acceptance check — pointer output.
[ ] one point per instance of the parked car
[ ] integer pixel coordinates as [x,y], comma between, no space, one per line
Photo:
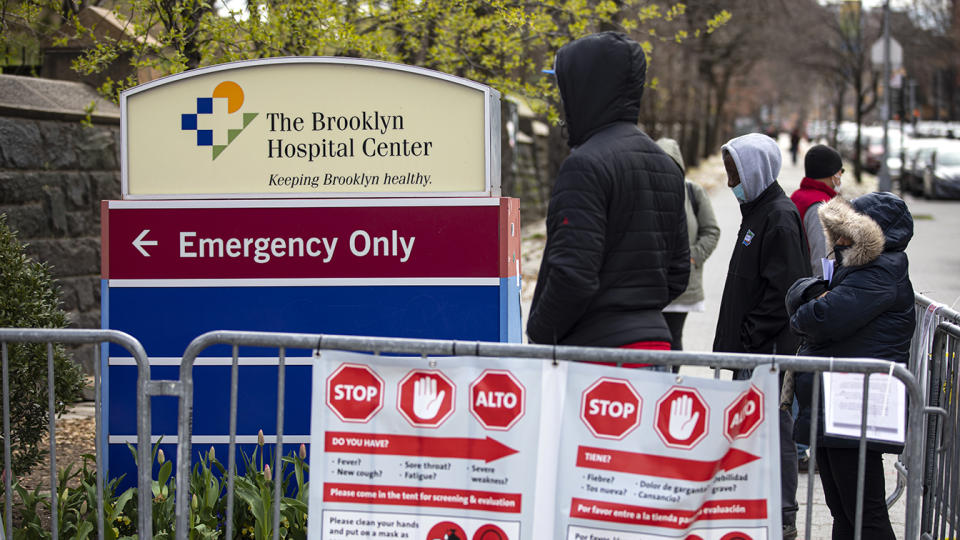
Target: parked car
[919,156]
[871,142]
[941,178]
[847,139]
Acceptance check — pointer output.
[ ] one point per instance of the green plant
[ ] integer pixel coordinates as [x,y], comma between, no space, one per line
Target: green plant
[253,503]
[253,518]
[29,298]
[76,507]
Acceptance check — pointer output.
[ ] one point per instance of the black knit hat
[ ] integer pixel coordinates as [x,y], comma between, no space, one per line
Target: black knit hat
[821,161]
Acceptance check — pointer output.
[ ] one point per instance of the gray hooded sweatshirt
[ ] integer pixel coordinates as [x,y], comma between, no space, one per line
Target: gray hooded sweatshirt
[758,158]
[770,254]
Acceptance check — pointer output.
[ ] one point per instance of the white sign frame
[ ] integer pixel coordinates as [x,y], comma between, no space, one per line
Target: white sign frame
[491,99]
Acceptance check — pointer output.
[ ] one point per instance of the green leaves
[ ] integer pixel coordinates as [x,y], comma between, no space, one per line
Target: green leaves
[253,510]
[29,298]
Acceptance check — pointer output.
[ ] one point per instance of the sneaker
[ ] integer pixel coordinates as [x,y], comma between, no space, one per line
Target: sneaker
[803,463]
[789,532]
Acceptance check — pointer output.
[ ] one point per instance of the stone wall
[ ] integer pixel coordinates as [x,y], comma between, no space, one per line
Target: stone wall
[56,164]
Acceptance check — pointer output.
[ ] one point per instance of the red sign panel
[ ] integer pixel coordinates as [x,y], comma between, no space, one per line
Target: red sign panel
[610,408]
[497,399]
[744,415]
[426,398]
[681,417]
[354,393]
[295,241]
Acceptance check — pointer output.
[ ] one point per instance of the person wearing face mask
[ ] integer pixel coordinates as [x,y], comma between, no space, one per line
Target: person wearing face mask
[823,168]
[866,310]
[769,256]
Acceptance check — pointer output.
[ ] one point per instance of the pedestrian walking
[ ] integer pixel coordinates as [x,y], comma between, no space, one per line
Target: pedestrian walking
[865,310]
[822,168]
[703,234]
[616,251]
[795,136]
[769,256]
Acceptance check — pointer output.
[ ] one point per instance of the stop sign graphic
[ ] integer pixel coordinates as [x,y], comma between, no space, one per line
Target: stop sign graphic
[354,393]
[744,415]
[610,408]
[497,399]
[681,417]
[425,397]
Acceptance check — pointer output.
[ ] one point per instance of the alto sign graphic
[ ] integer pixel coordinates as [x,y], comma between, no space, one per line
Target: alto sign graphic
[497,400]
[744,415]
[365,129]
[610,408]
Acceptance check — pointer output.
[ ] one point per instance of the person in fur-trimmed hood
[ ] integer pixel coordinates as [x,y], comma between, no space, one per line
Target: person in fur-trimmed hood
[867,311]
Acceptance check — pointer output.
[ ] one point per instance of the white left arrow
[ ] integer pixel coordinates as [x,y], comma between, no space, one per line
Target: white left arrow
[139,242]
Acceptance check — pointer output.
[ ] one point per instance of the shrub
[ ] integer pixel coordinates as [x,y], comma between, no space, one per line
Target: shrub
[29,298]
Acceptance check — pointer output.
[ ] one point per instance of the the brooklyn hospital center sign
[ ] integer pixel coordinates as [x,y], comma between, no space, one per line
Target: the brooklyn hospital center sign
[310,127]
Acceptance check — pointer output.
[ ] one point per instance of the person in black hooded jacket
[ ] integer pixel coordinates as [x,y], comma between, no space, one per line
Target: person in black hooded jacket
[865,311]
[617,250]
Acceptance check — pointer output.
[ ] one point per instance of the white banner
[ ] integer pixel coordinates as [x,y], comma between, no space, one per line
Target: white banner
[494,449]
[647,455]
[429,449]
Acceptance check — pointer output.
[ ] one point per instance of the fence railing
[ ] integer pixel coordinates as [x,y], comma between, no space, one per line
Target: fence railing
[941,498]
[426,348]
[79,337]
[931,381]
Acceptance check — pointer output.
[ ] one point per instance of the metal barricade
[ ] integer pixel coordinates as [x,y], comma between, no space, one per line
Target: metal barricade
[941,498]
[929,314]
[78,337]
[283,341]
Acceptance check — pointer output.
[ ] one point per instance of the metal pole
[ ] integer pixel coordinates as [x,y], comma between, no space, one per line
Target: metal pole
[883,179]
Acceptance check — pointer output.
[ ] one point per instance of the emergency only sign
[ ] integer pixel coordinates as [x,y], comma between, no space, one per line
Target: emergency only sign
[488,448]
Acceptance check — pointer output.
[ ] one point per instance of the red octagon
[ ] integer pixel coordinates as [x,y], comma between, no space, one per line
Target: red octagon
[497,399]
[692,417]
[354,393]
[744,415]
[610,408]
[425,397]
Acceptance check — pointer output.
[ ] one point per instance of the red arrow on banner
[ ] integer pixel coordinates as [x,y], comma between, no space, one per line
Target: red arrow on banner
[660,466]
[411,445]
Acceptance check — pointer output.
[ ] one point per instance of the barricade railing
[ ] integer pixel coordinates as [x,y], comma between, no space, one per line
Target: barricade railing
[929,314]
[941,498]
[80,337]
[283,341]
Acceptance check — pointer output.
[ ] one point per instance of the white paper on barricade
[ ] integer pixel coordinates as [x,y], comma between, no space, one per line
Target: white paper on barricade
[649,455]
[886,408]
[438,449]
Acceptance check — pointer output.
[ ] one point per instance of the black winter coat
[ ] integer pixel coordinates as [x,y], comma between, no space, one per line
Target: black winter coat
[869,309]
[770,254]
[617,249]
